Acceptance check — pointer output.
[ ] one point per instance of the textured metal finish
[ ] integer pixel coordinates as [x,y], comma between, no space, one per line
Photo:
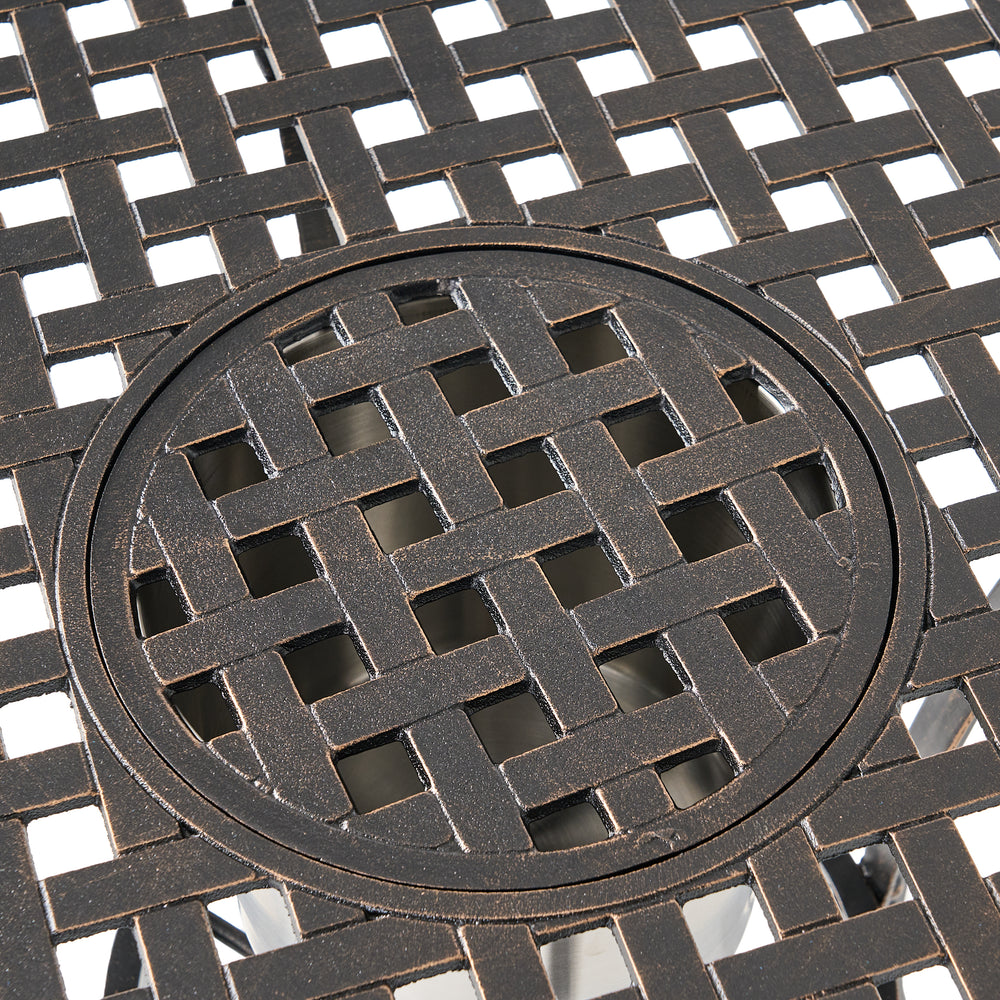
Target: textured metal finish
[563,782]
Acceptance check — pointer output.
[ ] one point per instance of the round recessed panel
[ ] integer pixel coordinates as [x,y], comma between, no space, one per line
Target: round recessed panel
[495,569]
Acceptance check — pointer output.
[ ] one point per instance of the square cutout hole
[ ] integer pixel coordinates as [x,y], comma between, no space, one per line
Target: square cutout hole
[379,776]
[571,826]
[355,425]
[454,985]
[94,20]
[182,260]
[262,150]
[589,347]
[613,71]
[416,303]
[84,963]
[581,575]
[157,608]
[227,469]
[938,722]
[813,489]
[976,73]
[753,401]
[644,436]
[422,205]
[966,262]
[86,379]
[828,21]
[862,878]
[23,610]
[512,727]
[350,46]
[325,667]
[302,232]
[640,677]
[808,205]
[919,177]
[403,521]
[716,920]
[508,95]
[43,722]
[35,202]
[764,123]
[236,71]
[654,150]
[538,177]
[60,288]
[721,46]
[704,530]
[387,123]
[310,345]
[525,478]
[466,20]
[692,780]
[695,233]
[20,118]
[764,630]
[276,564]
[203,708]
[127,95]
[586,966]
[903,381]
[476,383]
[873,98]
[153,175]
[455,620]
[956,476]
[68,841]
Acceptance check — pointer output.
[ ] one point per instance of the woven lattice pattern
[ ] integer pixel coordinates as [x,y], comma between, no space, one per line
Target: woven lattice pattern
[162,877]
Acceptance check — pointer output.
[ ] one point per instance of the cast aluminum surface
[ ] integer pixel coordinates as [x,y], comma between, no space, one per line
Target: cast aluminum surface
[461,887]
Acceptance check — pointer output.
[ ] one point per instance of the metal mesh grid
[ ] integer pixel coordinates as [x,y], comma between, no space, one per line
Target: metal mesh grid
[161,878]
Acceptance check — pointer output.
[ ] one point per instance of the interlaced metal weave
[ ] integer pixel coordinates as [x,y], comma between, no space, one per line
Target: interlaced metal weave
[898,803]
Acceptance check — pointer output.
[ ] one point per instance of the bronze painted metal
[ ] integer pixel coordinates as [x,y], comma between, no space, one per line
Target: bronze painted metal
[510,591]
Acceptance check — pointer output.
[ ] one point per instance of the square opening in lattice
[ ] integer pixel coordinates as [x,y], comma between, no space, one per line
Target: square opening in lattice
[10,506]
[310,345]
[640,676]
[939,722]
[728,922]
[692,780]
[976,73]
[36,202]
[403,521]
[84,964]
[863,878]
[987,574]
[873,98]
[956,476]
[581,575]
[387,123]
[903,381]
[764,123]
[753,401]
[476,383]
[966,262]
[466,20]
[32,725]
[765,629]
[569,826]
[203,708]
[538,177]
[643,436]
[656,149]
[422,205]
[856,290]
[226,469]
[695,233]
[570,8]
[937,982]
[349,427]
[302,232]
[379,776]
[525,478]
[325,666]
[935,8]
[828,21]
[183,260]
[721,46]
[20,118]
[808,205]
[979,832]
[236,71]
[455,985]
[262,150]
[359,44]
[68,841]
[127,95]
[613,71]
[512,727]
[255,922]
[416,303]
[97,19]
[198,8]
[275,564]
[586,965]
[457,619]
[157,608]
[153,175]
[591,346]
[8,41]
[23,610]
[86,379]
[704,530]
[920,177]
[813,490]
[60,288]
[506,95]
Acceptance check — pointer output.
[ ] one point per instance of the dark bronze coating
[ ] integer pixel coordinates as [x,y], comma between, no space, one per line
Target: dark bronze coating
[508,602]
